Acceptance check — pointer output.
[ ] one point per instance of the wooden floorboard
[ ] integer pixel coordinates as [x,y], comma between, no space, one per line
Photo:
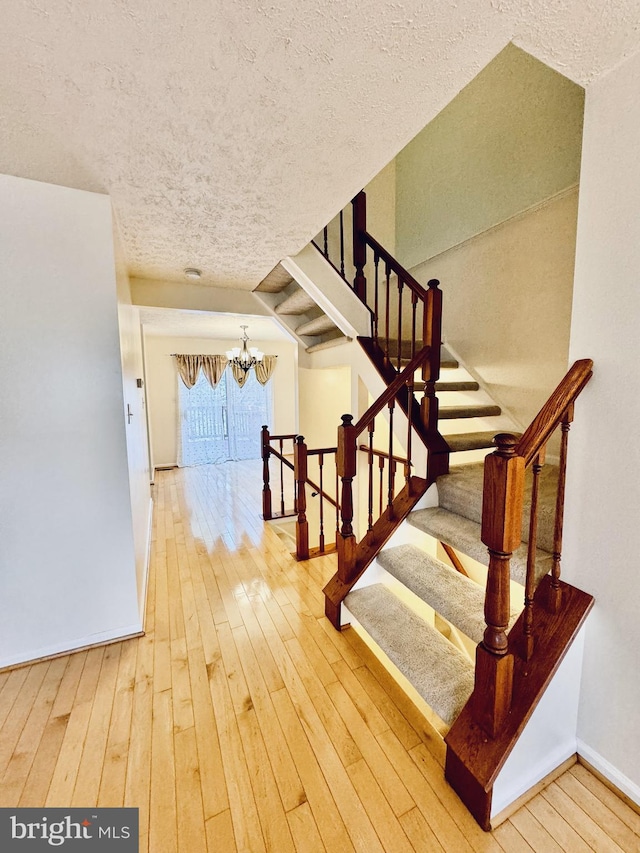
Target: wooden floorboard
[242,721]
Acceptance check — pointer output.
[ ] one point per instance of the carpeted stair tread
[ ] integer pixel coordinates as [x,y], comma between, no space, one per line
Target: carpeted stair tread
[441,674]
[470,441]
[460,492]
[455,597]
[331,342]
[297,303]
[474,411]
[317,326]
[464,535]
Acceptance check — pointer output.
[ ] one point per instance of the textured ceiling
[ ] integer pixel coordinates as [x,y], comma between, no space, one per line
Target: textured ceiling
[227,132]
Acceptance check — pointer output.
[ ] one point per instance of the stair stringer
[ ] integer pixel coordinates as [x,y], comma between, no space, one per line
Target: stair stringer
[328,290]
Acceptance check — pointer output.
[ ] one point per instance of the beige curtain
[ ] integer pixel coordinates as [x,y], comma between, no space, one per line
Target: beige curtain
[239,374]
[213,367]
[264,369]
[188,368]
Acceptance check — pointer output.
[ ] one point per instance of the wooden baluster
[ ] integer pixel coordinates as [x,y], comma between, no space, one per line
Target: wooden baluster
[407,467]
[432,336]
[282,510]
[380,484]
[370,490]
[392,465]
[414,309]
[342,243]
[300,476]
[374,316]
[321,535]
[387,312]
[400,291]
[266,488]
[359,244]
[555,592]
[501,532]
[337,493]
[346,461]
[530,587]
[326,241]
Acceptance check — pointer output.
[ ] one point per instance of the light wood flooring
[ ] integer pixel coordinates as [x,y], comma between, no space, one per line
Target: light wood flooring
[243,721]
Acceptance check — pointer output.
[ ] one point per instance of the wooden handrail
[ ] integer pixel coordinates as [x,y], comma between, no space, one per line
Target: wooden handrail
[283,437]
[384,455]
[274,452]
[390,392]
[550,415]
[316,451]
[394,265]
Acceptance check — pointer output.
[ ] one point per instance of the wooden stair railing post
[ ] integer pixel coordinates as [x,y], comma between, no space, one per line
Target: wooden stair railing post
[300,476]
[530,581]
[555,592]
[346,462]
[266,488]
[502,503]
[432,337]
[359,244]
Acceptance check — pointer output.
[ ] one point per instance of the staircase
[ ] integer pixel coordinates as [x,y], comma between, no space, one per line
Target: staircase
[480,658]
[299,311]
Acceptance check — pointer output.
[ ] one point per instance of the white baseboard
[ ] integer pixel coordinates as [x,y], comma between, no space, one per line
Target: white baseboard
[147,565]
[70,646]
[538,771]
[619,780]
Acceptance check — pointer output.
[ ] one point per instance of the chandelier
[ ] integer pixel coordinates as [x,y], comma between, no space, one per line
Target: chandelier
[245,357]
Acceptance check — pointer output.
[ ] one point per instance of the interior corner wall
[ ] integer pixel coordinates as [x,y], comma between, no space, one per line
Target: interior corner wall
[135,419]
[508,140]
[325,395]
[507,304]
[162,386]
[603,485]
[67,565]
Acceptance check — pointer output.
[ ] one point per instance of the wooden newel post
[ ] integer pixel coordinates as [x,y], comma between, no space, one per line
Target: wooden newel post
[346,465]
[266,488]
[432,337]
[359,204]
[300,475]
[501,533]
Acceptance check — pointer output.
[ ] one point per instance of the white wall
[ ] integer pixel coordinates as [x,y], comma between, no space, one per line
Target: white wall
[162,387]
[507,303]
[135,422]
[508,140]
[603,497]
[325,395]
[67,564]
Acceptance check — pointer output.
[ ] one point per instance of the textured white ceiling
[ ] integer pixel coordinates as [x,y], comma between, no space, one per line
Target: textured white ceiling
[172,322]
[229,131]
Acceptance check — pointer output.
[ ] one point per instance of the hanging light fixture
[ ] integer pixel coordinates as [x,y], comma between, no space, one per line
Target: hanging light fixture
[245,357]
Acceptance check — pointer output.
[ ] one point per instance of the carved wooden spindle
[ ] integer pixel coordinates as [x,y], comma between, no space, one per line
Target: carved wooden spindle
[376,300]
[501,533]
[414,312]
[266,488]
[380,484]
[325,235]
[530,588]
[387,309]
[321,534]
[555,592]
[346,462]
[282,510]
[392,466]
[432,336]
[370,484]
[342,243]
[400,292]
[407,467]
[300,476]
[359,244]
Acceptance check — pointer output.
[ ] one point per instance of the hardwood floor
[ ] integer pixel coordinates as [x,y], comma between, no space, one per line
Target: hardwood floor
[243,721]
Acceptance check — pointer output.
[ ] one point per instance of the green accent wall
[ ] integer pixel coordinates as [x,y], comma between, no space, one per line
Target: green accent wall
[507,141]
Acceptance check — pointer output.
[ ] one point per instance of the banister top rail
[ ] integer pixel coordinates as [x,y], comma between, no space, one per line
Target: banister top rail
[282,458]
[394,265]
[383,454]
[550,415]
[278,437]
[316,451]
[391,390]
